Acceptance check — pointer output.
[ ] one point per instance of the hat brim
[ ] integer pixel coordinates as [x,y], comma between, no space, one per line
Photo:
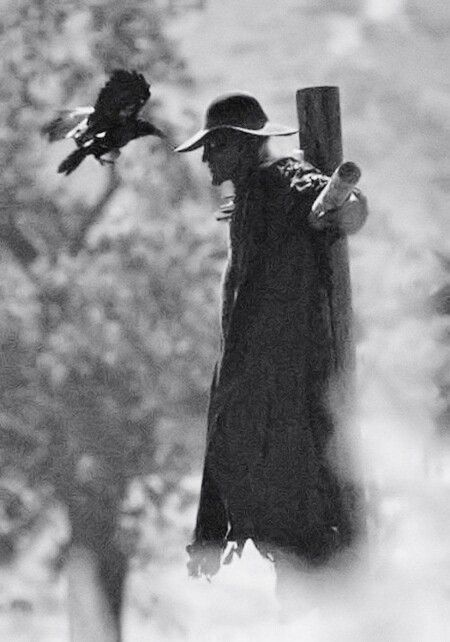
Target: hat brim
[269,129]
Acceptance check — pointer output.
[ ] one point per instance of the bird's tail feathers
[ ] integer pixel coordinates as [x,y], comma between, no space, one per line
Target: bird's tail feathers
[72,161]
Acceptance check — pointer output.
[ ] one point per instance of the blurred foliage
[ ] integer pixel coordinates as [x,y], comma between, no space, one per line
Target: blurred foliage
[108,304]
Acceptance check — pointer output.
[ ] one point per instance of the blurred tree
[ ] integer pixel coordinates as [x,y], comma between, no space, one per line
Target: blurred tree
[107,315]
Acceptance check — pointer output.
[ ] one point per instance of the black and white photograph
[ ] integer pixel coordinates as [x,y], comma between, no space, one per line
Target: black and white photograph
[224,321]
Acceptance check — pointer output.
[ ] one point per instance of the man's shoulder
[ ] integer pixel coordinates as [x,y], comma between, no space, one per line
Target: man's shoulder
[291,175]
[287,168]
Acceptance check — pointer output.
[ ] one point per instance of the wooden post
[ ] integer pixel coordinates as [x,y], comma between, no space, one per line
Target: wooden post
[321,141]
[319,118]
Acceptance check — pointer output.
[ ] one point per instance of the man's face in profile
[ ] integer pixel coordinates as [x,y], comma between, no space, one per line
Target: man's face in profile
[221,152]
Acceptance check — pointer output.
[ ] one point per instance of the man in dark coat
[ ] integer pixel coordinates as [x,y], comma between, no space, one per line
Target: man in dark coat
[269,472]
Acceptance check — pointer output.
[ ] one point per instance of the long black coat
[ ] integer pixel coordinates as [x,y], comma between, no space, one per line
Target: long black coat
[268,472]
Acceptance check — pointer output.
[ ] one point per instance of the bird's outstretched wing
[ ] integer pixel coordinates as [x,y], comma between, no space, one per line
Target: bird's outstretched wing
[124,95]
[67,123]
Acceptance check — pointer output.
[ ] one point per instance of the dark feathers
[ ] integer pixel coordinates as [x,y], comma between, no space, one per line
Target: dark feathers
[109,125]
[125,92]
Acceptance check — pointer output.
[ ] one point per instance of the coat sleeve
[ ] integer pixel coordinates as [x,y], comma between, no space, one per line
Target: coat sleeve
[307,183]
[347,219]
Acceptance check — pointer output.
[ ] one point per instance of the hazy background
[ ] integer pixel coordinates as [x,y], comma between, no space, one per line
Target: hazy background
[108,324]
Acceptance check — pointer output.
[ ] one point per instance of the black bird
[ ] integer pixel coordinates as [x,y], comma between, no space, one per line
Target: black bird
[112,123]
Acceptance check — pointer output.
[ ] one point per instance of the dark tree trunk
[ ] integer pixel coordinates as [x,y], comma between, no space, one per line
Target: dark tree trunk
[96,568]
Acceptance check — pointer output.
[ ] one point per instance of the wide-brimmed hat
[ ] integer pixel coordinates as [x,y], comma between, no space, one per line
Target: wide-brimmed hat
[239,111]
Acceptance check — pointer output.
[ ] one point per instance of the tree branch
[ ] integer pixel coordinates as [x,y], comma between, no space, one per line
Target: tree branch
[94,213]
[17,243]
